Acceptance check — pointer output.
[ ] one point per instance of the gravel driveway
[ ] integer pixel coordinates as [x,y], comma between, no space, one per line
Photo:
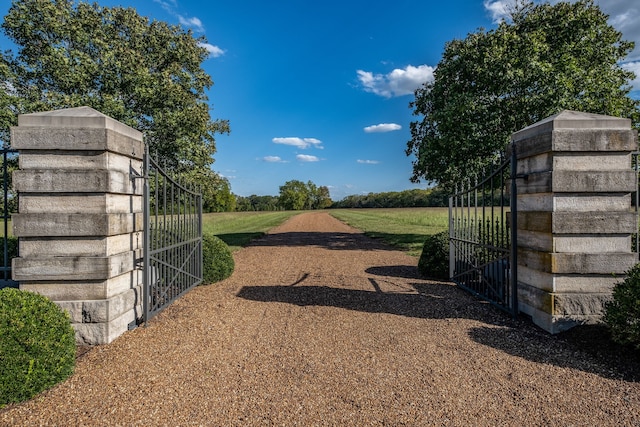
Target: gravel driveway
[320,325]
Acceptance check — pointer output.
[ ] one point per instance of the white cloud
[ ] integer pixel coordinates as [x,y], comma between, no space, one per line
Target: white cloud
[307,158]
[273,159]
[398,82]
[382,127]
[194,22]
[499,9]
[214,51]
[302,143]
[368,162]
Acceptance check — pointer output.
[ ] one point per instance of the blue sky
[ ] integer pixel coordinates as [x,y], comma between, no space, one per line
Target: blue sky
[320,90]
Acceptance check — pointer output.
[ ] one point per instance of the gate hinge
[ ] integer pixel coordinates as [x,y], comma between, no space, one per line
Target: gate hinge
[134,174]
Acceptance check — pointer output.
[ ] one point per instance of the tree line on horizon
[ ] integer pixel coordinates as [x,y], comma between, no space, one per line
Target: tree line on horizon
[295,197]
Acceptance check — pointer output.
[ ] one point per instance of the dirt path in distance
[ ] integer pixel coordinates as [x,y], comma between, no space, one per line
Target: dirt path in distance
[322,326]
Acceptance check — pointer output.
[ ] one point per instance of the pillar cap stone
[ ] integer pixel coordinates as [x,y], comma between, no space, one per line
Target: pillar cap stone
[568,119]
[79,117]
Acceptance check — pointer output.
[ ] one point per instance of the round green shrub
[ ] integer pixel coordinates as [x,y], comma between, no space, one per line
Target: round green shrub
[434,260]
[622,313]
[217,259]
[37,345]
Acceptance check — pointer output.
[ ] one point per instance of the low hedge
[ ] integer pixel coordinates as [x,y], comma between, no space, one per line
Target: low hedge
[37,345]
[217,259]
[434,260]
[622,313]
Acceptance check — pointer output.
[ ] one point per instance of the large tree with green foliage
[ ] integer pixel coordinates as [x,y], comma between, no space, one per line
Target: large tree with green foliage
[296,195]
[146,74]
[493,83]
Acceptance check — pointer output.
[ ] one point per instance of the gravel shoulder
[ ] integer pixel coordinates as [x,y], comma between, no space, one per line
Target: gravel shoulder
[320,325]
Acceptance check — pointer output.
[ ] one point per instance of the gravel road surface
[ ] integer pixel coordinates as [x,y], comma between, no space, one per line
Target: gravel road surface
[322,326]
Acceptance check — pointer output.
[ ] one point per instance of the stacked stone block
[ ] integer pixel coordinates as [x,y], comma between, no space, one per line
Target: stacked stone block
[80,217]
[575,217]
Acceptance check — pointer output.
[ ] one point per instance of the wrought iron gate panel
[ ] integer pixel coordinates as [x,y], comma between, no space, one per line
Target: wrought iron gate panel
[9,206]
[483,237]
[172,256]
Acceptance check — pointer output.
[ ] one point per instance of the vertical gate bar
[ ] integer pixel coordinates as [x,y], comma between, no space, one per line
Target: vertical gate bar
[635,157]
[146,286]
[452,255]
[200,244]
[514,231]
[5,270]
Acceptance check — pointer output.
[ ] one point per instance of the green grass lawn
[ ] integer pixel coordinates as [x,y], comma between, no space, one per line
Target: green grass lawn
[237,229]
[404,228]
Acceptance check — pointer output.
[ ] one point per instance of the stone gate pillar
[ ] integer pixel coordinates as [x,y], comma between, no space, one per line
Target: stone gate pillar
[574,215]
[80,217]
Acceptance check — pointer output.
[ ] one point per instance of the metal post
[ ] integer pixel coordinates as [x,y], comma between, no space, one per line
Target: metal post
[146,286]
[514,231]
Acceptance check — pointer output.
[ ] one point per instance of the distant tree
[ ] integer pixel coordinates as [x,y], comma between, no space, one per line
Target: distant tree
[145,74]
[435,196]
[294,195]
[550,57]
[257,203]
[322,198]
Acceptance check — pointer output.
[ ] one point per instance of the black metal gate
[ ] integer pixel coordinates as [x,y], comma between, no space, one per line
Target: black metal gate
[9,206]
[172,258]
[483,236]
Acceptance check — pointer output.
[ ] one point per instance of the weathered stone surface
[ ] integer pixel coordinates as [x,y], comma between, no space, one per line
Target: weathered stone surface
[97,246]
[591,244]
[577,263]
[617,181]
[573,121]
[81,128]
[104,310]
[103,333]
[586,223]
[77,160]
[80,139]
[74,291]
[565,161]
[72,268]
[579,304]
[79,203]
[68,291]
[75,225]
[592,263]
[567,283]
[73,181]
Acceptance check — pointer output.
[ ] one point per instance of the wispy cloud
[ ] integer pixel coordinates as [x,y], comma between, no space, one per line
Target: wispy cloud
[273,159]
[214,51]
[382,127]
[499,9]
[307,158]
[302,143]
[398,82]
[368,162]
[193,22]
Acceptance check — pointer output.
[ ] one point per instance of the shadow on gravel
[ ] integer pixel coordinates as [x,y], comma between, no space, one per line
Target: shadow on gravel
[585,348]
[334,241]
[403,271]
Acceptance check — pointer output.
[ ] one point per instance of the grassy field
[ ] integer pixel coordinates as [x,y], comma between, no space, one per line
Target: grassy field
[237,229]
[405,229]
